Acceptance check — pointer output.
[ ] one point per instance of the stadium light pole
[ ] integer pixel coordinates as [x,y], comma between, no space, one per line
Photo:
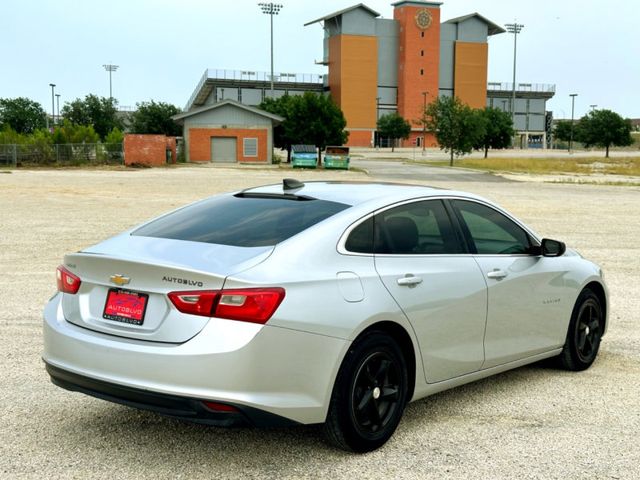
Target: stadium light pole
[424,122]
[593,106]
[271,9]
[53,112]
[514,28]
[58,106]
[573,101]
[110,68]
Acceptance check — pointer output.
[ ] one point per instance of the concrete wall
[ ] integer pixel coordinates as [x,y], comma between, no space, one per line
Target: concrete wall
[387,34]
[148,149]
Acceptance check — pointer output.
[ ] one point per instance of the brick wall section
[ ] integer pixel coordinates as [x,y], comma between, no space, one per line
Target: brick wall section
[200,143]
[148,149]
[360,138]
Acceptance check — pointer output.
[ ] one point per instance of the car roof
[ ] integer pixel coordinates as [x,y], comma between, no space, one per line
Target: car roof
[357,193]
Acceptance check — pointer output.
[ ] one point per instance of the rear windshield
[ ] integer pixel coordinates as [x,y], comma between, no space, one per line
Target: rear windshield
[241,221]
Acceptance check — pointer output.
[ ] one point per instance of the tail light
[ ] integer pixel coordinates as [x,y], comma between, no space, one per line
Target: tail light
[67,281]
[255,305]
[196,303]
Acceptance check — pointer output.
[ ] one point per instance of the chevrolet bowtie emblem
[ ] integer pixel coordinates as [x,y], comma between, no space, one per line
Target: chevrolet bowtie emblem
[119,280]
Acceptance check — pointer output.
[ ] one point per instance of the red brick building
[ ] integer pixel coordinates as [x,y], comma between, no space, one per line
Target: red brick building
[228,132]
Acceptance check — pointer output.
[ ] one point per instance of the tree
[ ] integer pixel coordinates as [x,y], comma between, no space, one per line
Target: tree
[309,119]
[318,121]
[155,117]
[21,115]
[456,126]
[604,128]
[498,130]
[99,112]
[283,134]
[393,126]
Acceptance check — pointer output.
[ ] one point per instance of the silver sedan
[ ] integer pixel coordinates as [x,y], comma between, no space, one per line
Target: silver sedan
[322,302]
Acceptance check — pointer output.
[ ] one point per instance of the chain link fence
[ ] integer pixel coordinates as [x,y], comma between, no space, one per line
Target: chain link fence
[62,154]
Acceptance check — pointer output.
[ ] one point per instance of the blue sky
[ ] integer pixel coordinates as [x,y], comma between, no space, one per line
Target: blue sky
[163,46]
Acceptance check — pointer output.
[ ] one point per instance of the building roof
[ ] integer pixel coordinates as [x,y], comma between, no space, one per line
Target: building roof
[494,28]
[416,3]
[344,10]
[206,108]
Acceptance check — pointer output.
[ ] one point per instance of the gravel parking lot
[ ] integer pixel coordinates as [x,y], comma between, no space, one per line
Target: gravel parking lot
[534,422]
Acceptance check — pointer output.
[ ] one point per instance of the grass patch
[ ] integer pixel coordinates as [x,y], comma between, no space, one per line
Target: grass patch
[589,165]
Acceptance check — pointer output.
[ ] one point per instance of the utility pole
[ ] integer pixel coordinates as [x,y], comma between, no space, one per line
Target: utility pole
[53,112]
[58,106]
[271,9]
[110,68]
[573,101]
[377,139]
[514,28]
[424,122]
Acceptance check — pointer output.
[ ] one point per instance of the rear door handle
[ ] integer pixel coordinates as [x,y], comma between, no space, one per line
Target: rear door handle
[497,274]
[409,280]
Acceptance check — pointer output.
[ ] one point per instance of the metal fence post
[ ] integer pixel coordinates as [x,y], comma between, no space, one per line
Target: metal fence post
[57,153]
[15,155]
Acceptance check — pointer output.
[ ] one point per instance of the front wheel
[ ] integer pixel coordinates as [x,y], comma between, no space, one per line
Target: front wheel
[584,334]
[369,395]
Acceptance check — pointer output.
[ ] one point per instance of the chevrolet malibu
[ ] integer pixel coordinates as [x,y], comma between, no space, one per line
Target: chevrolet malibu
[318,302]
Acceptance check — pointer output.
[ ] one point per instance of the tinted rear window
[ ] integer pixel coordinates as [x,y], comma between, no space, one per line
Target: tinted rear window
[241,221]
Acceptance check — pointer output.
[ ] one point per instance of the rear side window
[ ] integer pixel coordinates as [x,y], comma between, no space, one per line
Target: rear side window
[418,228]
[249,221]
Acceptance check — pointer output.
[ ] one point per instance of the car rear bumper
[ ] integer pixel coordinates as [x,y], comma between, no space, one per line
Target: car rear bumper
[281,372]
[184,408]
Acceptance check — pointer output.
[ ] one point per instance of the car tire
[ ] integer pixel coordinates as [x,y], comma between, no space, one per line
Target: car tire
[584,334]
[369,395]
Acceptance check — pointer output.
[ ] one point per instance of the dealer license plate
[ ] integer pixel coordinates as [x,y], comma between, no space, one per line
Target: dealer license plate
[125,306]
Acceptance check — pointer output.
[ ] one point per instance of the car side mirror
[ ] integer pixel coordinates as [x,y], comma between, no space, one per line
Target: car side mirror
[552,248]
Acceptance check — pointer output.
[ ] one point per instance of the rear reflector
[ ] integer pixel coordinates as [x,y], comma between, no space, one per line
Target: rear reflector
[255,305]
[220,407]
[67,281]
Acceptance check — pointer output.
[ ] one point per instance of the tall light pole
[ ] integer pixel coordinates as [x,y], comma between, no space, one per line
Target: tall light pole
[593,106]
[271,9]
[573,101]
[514,28]
[424,122]
[53,112]
[110,68]
[58,106]
[377,139]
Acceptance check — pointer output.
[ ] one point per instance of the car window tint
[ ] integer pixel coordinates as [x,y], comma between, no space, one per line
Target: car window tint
[416,228]
[360,239]
[490,231]
[241,221]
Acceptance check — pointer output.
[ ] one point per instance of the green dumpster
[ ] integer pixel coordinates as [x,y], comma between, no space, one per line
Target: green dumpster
[304,156]
[337,158]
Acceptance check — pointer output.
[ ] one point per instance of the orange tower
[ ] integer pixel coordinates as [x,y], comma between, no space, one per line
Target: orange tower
[418,60]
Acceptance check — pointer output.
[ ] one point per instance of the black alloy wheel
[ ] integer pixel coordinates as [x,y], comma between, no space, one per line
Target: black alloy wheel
[375,393]
[585,332]
[369,395]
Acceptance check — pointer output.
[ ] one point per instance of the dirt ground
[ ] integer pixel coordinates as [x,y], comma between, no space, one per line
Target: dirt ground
[534,422]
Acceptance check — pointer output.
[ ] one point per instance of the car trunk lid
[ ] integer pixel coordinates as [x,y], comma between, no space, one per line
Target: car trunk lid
[126,279]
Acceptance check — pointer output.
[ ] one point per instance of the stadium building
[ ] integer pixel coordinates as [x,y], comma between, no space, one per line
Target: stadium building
[378,66]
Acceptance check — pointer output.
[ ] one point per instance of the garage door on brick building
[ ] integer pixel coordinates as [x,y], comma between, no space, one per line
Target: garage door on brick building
[223,149]
[228,132]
